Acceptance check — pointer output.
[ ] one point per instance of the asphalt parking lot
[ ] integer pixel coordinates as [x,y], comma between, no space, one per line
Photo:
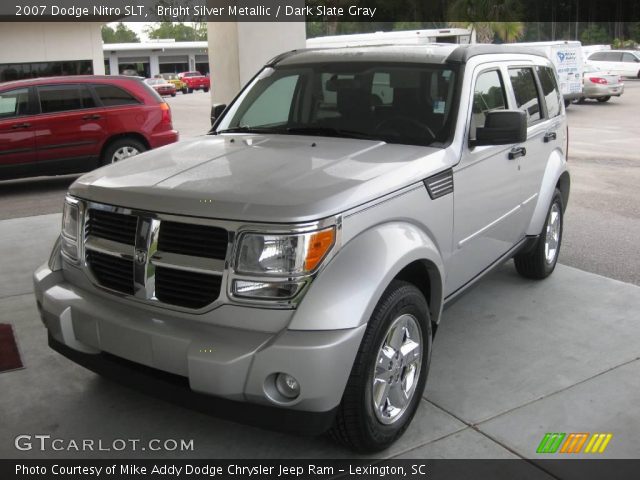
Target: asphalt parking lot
[602,222]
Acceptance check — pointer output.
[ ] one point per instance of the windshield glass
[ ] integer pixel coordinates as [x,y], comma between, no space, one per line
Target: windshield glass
[395,103]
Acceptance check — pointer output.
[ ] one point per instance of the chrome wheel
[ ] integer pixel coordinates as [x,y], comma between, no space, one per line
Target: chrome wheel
[397,369]
[124,152]
[552,237]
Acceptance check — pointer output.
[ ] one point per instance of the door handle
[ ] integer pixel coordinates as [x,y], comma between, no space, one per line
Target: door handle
[95,116]
[549,136]
[15,126]
[517,152]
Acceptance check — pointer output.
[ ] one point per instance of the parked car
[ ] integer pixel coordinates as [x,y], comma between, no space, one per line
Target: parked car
[294,263]
[175,79]
[625,63]
[163,87]
[53,126]
[195,81]
[599,85]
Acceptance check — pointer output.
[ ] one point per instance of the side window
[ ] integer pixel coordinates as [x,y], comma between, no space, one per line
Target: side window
[488,95]
[552,96]
[273,105]
[629,58]
[381,90]
[14,103]
[63,98]
[526,92]
[613,56]
[111,96]
[598,56]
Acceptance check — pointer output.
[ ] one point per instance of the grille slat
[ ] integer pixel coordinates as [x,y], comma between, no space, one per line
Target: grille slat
[186,289]
[112,272]
[173,286]
[112,226]
[191,239]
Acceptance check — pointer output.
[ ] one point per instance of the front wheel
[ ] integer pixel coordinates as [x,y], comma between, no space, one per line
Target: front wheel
[389,373]
[540,261]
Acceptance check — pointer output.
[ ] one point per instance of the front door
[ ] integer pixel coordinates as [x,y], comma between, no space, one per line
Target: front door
[488,220]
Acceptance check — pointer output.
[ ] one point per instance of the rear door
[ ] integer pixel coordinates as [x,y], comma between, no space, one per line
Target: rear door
[631,65]
[17,137]
[71,126]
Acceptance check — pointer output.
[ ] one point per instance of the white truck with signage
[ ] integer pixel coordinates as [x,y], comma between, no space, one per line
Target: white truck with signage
[568,59]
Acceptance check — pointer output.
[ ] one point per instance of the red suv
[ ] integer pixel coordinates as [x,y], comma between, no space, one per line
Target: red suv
[53,126]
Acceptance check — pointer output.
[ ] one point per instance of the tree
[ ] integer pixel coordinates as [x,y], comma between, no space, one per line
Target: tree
[508,31]
[594,35]
[121,34]
[178,31]
[482,16]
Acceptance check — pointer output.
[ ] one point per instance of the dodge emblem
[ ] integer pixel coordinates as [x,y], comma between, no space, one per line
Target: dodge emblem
[141,257]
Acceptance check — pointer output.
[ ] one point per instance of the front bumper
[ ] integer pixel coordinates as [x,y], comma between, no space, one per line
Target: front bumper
[210,357]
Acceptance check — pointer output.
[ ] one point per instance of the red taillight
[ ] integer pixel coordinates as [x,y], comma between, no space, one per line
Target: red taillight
[166,113]
[600,80]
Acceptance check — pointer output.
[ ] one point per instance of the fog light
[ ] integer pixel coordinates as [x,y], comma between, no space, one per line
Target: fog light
[287,386]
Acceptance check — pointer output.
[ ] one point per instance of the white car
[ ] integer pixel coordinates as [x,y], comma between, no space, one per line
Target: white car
[625,63]
[599,85]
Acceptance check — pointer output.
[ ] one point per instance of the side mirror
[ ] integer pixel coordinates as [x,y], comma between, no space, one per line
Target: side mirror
[502,127]
[216,111]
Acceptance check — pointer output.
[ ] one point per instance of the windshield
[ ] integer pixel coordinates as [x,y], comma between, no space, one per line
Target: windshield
[395,103]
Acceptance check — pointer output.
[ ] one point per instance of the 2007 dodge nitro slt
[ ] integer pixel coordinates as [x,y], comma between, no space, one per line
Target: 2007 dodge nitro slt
[296,260]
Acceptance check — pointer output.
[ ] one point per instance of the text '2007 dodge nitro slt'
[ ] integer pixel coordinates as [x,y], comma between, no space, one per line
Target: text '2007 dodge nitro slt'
[296,260]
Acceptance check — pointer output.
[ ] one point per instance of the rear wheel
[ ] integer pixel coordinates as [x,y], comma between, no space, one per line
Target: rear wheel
[121,149]
[206,89]
[184,90]
[603,99]
[540,261]
[389,373]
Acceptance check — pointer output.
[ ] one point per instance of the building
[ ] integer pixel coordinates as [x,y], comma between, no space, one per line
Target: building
[43,49]
[150,58]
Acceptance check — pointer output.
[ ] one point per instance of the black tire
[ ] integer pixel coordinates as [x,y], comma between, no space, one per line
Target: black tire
[173,94]
[356,425]
[189,90]
[205,90]
[566,104]
[534,262]
[603,99]
[122,143]
[184,90]
[578,101]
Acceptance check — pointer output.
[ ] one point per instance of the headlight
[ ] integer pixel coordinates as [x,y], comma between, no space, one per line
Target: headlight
[283,254]
[70,234]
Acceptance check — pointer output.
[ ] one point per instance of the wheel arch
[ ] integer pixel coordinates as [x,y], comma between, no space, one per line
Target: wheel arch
[371,261]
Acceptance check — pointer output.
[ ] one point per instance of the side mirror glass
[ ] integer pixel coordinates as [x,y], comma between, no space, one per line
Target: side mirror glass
[502,127]
[216,110]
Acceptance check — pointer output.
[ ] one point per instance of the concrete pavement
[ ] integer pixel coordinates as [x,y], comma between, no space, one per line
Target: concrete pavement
[512,360]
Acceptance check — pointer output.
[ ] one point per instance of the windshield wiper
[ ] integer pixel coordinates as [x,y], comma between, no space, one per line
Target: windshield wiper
[333,132]
[247,129]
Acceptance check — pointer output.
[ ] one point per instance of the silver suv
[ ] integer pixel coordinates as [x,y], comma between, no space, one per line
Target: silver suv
[295,261]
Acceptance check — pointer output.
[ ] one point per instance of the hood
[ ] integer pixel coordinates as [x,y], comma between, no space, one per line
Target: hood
[263,178]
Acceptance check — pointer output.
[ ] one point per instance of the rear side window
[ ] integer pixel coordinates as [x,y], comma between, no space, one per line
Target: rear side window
[613,56]
[14,103]
[63,98]
[597,56]
[526,92]
[488,95]
[111,96]
[552,96]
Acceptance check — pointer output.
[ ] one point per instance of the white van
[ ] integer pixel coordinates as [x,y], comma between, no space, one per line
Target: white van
[568,59]
[625,63]
[406,37]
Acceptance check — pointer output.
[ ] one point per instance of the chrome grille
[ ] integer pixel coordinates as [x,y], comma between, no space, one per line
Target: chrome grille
[141,255]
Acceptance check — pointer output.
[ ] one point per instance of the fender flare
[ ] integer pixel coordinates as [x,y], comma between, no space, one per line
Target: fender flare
[556,168]
[346,291]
